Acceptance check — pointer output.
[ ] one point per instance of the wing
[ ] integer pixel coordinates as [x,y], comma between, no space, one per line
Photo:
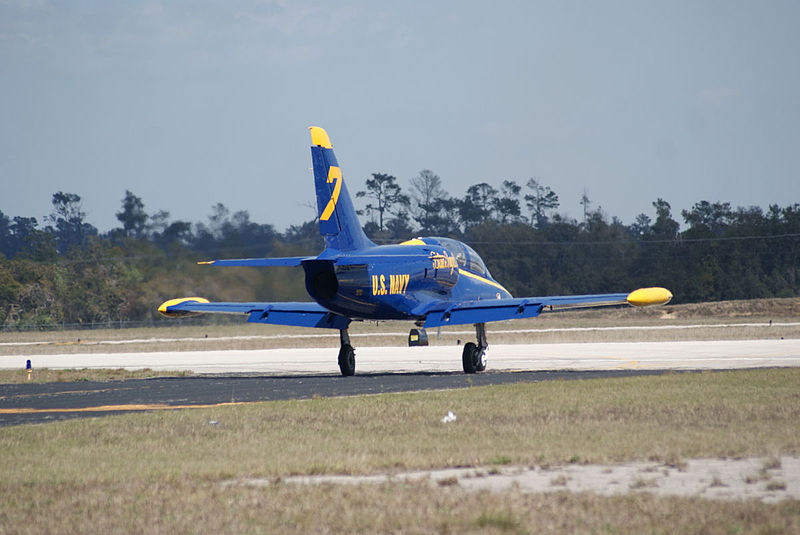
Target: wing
[295,314]
[441,313]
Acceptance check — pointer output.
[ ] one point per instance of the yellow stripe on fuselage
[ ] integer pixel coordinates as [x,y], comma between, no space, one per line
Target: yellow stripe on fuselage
[482,279]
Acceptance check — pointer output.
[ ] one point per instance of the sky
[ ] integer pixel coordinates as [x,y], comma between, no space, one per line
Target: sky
[192,103]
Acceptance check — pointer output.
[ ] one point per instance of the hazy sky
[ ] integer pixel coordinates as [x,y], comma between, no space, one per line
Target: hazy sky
[192,103]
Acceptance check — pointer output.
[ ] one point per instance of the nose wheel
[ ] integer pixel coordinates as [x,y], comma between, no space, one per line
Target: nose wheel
[473,358]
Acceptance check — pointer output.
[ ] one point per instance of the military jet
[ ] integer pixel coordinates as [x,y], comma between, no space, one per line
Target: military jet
[431,281]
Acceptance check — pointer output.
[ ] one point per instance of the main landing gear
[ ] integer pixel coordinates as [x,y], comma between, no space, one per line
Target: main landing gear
[347,355]
[474,356]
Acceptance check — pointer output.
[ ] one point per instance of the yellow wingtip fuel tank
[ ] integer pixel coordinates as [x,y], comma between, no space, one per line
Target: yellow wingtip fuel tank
[180,313]
[649,296]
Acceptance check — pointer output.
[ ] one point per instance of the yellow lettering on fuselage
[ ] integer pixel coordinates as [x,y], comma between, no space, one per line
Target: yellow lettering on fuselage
[444,262]
[398,284]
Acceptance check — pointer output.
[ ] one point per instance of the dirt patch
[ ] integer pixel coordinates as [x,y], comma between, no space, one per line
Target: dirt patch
[769,480]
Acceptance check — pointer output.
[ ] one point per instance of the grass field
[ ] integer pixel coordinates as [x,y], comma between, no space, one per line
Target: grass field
[45,375]
[164,471]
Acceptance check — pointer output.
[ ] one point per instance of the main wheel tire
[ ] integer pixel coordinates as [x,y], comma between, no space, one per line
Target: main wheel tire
[481,365]
[469,357]
[347,360]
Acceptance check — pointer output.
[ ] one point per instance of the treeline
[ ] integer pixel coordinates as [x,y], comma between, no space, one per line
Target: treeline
[63,270]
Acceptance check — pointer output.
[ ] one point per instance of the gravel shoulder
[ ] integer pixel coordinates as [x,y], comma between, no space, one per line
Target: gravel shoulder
[767,479]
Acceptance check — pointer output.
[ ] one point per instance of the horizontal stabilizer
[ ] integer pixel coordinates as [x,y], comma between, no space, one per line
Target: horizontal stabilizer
[290,261]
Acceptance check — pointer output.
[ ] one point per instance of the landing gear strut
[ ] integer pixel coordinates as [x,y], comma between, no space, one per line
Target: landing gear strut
[474,356]
[347,355]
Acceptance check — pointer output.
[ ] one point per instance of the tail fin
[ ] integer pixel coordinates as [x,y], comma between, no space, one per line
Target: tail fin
[338,221]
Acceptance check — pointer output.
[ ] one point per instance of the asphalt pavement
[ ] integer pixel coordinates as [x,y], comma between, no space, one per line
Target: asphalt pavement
[28,403]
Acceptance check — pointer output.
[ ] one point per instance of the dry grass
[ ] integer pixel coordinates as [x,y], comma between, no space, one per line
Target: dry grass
[191,506]
[46,375]
[161,471]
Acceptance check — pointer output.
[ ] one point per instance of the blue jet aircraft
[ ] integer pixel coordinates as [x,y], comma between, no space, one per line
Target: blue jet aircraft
[431,281]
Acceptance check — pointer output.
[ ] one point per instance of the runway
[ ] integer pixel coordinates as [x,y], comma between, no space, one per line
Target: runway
[43,402]
[275,374]
[686,355]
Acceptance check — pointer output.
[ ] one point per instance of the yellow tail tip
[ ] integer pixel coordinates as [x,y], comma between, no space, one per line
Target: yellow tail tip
[319,137]
[172,302]
[649,296]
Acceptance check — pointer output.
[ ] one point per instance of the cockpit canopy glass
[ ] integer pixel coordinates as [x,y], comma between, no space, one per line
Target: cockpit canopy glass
[465,256]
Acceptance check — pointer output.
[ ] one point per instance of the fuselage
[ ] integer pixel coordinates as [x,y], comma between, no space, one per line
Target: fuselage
[398,281]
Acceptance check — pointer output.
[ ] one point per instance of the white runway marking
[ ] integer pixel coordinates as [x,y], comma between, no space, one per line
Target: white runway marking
[573,356]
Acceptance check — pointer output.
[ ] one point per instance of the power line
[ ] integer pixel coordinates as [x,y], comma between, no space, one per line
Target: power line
[676,241]
[187,252]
